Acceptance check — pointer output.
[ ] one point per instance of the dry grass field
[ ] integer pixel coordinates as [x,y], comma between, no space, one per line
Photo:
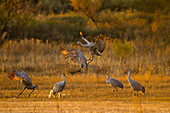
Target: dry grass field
[85,91]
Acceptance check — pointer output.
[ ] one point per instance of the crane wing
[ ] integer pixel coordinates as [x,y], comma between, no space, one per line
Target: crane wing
[64,51]
[82,58]
[135,85]
[13,76]
[100,44]
[20,76]
[68,53]
[75,55]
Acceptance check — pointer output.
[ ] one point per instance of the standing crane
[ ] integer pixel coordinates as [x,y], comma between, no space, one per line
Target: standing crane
[16,74]
[97,48]
[76,56]
[135,85]
[58,87]
[114,82]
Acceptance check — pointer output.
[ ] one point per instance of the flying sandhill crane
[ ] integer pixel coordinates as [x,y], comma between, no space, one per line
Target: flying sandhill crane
[76,56]
[58,87]
[135,85]
[16,74]
[97,48]
[114,82]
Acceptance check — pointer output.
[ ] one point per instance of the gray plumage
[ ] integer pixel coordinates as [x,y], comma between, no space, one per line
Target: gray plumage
[114,82]
[16,74]
[95,49]
[76,56]
[135,85]
[58,87]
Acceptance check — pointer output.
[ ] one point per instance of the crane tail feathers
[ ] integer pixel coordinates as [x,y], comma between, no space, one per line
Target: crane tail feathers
[143,90]
[122,86]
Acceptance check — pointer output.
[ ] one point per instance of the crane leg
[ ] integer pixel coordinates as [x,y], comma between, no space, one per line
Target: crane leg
[116,90]
[60,95]
[135,94]
[91,58]
[31,92]
[21,92]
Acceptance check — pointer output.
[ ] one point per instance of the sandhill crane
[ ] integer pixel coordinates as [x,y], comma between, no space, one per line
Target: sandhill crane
[135,85]
[16,74]
[114,82]
[97,48]
[58,87]
[76,56]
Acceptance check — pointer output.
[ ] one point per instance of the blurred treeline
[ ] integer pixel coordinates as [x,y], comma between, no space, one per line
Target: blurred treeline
[62,20]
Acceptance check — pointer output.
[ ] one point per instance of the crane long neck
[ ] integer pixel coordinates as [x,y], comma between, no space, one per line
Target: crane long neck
[107,80]
[64,79]
[83,45]
[107,77]
[129,75]
[89,43]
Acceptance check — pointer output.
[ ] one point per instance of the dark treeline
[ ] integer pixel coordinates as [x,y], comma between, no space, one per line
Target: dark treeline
[62,20]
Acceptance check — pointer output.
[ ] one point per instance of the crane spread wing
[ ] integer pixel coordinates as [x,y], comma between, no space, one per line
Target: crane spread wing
[20,76]
[13,76]
[64,51]
[67,53]
[82,58]
[100,45]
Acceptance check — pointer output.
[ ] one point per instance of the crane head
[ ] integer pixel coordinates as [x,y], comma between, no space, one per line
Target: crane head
[129,71]
[16,70]
[63,75]
[107,76]
[81,34]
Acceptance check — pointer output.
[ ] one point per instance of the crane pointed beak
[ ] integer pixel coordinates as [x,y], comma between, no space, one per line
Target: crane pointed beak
[64,75]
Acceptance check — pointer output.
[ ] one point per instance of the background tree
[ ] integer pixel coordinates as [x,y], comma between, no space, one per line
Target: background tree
[88,7]
[55,6]
[13,13]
